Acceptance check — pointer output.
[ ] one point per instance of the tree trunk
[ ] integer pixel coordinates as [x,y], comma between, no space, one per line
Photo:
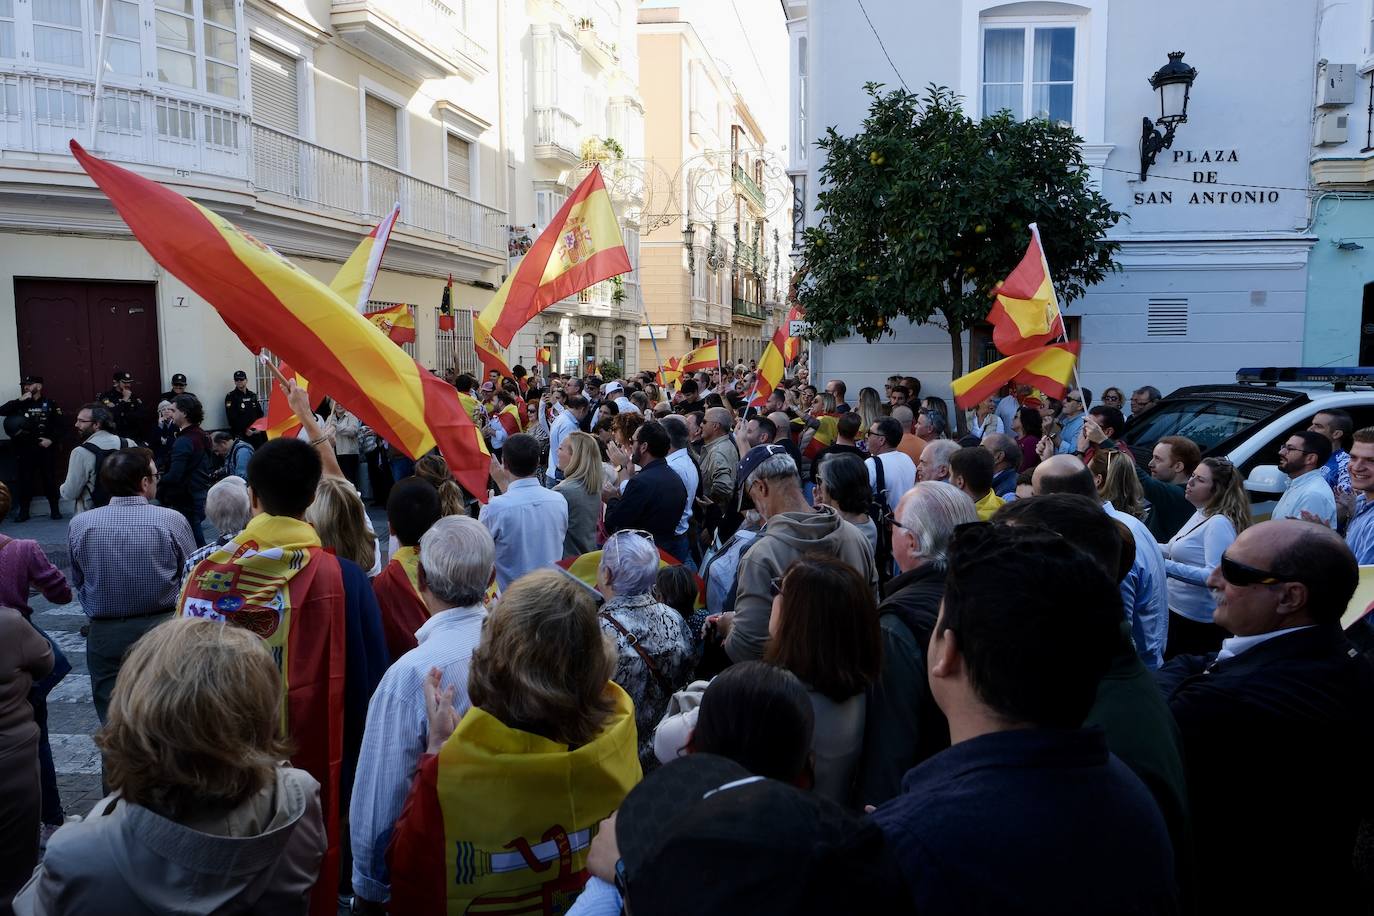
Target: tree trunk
[956,350]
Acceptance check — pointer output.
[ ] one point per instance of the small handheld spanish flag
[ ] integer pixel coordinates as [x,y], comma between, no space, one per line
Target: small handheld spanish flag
[706,356]
[396,323]
[1026,313]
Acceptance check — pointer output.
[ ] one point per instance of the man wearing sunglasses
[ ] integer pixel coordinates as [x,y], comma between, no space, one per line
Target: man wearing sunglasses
[1309,495]
[1271,722]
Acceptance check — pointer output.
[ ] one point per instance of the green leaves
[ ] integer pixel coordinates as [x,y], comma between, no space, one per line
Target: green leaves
[926,211]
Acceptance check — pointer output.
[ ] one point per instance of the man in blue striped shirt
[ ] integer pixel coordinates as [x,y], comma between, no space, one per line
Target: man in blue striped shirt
[1359,534]
[457,557]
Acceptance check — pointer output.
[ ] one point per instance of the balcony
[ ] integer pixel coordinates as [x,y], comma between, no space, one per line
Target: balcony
[556,136]
[743,308]
[747,188]
[597,48]
[423,39]
[749,258]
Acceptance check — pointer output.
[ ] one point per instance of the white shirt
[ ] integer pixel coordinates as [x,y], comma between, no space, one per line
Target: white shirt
[899,475]
[564,425]
[682,466]
[1145,591]
[1308,492]
[528,524]
[1235,645]
[625,405]
[396,735]
[1190,557]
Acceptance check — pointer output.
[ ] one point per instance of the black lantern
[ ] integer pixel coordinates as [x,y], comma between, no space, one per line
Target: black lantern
[1173,82]
[689,237]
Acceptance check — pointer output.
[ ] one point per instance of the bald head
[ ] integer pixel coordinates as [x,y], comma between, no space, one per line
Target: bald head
[904,415]
[1063,474]
[781,420]
[1316,574]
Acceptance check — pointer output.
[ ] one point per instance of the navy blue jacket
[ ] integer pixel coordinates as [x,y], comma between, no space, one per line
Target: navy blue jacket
[653,500]
[1030,821]
[365,661]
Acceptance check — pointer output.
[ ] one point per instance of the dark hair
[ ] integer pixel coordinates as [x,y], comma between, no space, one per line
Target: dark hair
[759,716]
[1026,477]
[1342,421]
[848,424]
[654,437]
[123,471]
[974,464]
[1322,561]
[1081,522]
[1181,448]
[518,371]
[464,383]
[610,409]
[189,404]
[840,388]
[412,509]
[935,402]
[846,481]
[676,427]
[688,386]
[913,385]
[1150,391]
[1087,395]
[1109,418]
[104,419]
[1078,481]
[1031,423]
[891,430]
[766,425]
[1007,624]
[284,474]
[938,421]
[829,635]
[220,437]
[677,588]
[715,400]
[1317,444]
[575,402]
[520,454]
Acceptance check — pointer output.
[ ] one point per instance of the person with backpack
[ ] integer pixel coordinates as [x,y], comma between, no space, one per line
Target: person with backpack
[187,479]
[234,452]
[96,426]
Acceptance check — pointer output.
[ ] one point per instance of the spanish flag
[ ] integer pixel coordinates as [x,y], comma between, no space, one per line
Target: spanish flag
[791,348]
[446,307]
[770,369]
[354,280]
[706,356]
[1026,313]
[671,374]
[487,353]
[281,419]
[396,323]
[1048,369]
[827,431]
[509,418]
[580,247]
[270,303]
[542,356]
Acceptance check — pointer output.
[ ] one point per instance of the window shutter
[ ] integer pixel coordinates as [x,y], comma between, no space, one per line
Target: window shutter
[382,141]
[459,159]
[276,96]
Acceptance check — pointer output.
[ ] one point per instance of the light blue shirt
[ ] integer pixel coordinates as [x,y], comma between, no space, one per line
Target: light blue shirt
[1308,493]
[396,735]
[682,466]
[1068,435]
[563,426]
[528,524]
[1359,534]
[1191,555]
[1145,592]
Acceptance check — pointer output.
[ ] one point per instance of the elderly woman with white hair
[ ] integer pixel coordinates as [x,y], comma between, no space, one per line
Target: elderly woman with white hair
[228,509]
[654,650]
[904,726]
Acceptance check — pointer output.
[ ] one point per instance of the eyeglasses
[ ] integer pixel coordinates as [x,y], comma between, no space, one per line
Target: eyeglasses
[1294,448]
[1241,575]
[639,531]
[1073,400]
[874,432]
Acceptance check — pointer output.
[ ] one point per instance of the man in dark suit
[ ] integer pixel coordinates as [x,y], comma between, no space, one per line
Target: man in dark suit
[652,498]
[1278,728]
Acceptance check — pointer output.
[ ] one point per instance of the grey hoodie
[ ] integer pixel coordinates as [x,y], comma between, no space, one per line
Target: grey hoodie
[786,537]
[124,860]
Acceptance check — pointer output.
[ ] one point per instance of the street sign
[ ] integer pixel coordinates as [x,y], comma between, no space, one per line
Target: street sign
[798,328]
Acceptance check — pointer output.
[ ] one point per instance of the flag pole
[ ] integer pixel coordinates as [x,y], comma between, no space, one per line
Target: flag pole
[99,74]
[652,340]
[1063,325]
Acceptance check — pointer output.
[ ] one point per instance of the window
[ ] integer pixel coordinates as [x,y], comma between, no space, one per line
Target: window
[123,39]
[546,206]
[197,44]
[802,139]
[383,132]
[557,71]
[588,348]
[276,92]
[459,164]
[619,354]
[8,46]
[554,341]
[57,37]
[1029,70]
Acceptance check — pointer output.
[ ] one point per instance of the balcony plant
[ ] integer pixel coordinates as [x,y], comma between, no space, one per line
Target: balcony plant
[617,290]
[584,23]
[609,369]
[601,149]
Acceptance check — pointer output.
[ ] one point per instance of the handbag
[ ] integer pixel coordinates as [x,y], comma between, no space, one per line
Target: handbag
[633,642]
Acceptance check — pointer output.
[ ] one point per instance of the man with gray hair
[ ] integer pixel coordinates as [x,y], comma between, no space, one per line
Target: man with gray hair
[457,562]
[1006,462]
[935,460]
[904,726]
[791,529]
[227,507]
[719,458]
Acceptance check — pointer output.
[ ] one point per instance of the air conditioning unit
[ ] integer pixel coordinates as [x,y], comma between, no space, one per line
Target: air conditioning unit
[1335,85]
[1332,128]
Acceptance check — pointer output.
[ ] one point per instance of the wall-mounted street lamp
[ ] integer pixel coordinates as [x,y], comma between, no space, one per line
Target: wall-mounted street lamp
[1173,81]
[689,237]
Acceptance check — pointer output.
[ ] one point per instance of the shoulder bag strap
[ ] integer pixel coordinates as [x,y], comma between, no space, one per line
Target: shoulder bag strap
[633,642]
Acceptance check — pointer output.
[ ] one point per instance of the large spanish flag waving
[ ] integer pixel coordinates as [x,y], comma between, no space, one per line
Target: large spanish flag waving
[488,354]
[1046,368]
[354,280]
[706,356]
[580,247]
[770,368]
[270,303]
[1026,313]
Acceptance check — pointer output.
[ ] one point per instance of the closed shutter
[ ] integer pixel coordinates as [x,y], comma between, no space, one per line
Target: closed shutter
[382,143]
[459,165]
[276,96]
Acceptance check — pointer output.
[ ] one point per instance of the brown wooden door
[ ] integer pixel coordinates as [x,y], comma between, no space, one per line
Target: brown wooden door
[75,333]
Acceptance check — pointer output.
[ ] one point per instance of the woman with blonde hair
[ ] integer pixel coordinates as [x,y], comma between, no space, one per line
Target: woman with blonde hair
[203,815]
[546,751]
[579,458]
[1223,511]
[870,407]
[453,499]
[1114,473]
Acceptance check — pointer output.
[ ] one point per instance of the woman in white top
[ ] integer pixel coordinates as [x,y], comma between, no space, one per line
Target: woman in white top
[983,418]
[1223,511]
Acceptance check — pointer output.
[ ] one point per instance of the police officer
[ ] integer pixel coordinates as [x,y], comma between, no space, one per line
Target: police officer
[34,423]
[131,422]
[178,387]
[241,406]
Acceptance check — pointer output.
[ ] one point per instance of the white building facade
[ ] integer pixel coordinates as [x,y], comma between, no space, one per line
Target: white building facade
[1216,239]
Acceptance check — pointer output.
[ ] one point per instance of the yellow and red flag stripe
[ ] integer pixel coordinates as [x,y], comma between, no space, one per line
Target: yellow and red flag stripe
[826,434]
[1048,369]
[354,280]
[542,356]
[671,374]
[581,246]
[488,354]
[281,419]
[770,369]
[395,322]
[1026,313]
[706,356]
[791,348]
[270,303]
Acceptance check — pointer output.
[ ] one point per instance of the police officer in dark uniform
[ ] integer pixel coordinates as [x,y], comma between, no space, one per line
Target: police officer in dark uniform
[131,421]
[178,387]
[35,424]
[241,405]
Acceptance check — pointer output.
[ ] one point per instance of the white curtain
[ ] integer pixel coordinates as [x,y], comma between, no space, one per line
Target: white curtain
[1004,68]
[1052,74]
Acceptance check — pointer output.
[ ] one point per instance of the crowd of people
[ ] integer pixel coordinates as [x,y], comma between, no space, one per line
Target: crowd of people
[688,655]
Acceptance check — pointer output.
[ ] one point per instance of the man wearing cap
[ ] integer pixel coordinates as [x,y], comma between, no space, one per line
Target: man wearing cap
[178,387]
[241,406]
[120,400]
[33,422]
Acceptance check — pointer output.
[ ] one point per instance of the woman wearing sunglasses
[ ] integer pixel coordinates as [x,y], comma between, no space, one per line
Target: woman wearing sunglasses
[1223,511]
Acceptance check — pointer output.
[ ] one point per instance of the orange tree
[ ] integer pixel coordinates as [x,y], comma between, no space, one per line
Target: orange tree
[924,213]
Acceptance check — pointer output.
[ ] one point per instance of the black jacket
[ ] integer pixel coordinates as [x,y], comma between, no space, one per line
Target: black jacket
[131,421]
[1277,743]
[653,500]
[187,478]
[35,419]
[241,408]
[903,725]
